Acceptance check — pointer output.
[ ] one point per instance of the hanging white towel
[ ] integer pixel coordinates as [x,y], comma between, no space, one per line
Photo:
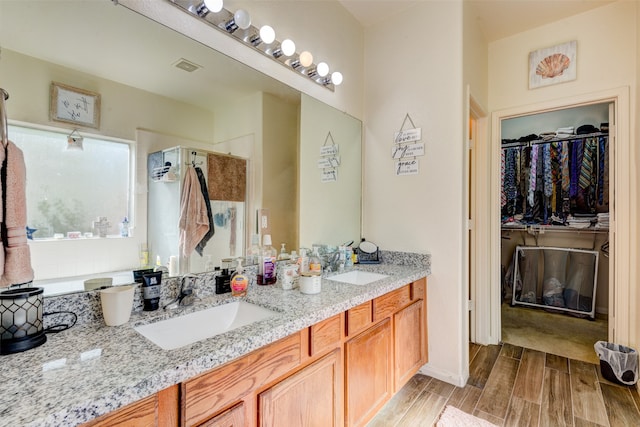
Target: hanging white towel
[15,264]
[193,224]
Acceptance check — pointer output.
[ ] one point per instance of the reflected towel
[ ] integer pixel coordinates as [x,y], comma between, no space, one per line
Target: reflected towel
[207,203]
[15,265]
[193,224]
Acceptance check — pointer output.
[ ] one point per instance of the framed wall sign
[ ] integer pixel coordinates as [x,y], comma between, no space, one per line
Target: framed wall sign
[72,105]
[552,65]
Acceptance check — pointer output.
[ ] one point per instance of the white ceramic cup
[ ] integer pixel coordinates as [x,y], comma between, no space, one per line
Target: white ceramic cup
[117,303]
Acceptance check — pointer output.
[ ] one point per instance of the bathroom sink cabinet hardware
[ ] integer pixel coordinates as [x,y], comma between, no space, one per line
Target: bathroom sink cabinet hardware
[338,372]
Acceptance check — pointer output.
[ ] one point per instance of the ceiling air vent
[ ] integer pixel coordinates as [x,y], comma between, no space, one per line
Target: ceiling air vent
[185,65]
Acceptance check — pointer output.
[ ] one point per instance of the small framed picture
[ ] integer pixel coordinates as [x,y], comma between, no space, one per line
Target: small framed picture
[552,65]
[76,106]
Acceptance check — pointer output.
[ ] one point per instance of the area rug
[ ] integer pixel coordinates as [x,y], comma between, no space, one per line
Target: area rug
[454,417]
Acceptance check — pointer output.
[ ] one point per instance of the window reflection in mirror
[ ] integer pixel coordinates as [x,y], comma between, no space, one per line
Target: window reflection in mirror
[69,190]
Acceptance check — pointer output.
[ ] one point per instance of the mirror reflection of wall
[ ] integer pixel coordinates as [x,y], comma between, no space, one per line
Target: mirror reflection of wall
[167,170]
[145,99]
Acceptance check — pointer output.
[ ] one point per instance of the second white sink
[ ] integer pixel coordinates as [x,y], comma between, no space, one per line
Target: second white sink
[358,277]
[184,330]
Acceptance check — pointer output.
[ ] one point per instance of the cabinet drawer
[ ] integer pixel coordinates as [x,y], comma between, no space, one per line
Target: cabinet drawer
[213,391]
[325,335]
[358,318]
[418,289]
[388,304]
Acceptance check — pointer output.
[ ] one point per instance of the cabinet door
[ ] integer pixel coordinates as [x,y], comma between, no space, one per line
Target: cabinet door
[369,372]
[312,397]
[409,333]
[159,410]
[233,417]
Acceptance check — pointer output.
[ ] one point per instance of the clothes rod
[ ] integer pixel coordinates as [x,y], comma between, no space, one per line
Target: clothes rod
[542,141]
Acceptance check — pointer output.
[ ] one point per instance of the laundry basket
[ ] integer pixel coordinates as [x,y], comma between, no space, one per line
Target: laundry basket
[618,364]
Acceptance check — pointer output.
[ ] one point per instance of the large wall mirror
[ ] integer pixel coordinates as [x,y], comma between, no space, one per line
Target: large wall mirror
[150,103]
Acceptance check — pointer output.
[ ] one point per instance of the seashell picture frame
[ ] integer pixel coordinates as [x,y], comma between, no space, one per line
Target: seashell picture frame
[552,65]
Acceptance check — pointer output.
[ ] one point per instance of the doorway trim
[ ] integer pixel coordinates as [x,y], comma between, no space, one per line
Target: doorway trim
[622,228]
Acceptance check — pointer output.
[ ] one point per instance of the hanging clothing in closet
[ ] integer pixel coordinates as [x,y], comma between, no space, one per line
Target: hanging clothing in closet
[550,182]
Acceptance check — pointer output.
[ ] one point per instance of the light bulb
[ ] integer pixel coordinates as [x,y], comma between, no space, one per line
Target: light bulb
[306,59]
[336,78]
[288,47]
[214,6]
[242,19]
[267,34]
[322,69]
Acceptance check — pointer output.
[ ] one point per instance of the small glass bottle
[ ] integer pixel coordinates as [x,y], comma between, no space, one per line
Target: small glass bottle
[267,265]
[315,265]
[253,253]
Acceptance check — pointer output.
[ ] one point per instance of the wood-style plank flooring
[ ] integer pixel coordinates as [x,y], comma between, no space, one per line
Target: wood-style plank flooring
[515,386]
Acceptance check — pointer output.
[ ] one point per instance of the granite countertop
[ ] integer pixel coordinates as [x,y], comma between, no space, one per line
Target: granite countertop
[93,369]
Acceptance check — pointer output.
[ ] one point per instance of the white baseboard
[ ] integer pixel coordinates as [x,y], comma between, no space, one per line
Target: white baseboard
[442,375]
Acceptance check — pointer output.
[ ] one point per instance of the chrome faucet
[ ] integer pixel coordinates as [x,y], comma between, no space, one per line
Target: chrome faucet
[186,292]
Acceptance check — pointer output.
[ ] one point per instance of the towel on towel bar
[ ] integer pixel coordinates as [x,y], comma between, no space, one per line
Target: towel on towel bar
[193,224]
[15,262]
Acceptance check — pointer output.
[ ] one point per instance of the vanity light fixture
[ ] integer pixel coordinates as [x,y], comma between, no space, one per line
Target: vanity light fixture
[207,6]
[306,58]
[241,19]
[288,47]
[263,39]
[336,78]
[266,35]
[322,68]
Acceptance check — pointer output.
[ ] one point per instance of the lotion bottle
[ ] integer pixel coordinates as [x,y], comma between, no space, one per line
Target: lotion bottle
[239,282]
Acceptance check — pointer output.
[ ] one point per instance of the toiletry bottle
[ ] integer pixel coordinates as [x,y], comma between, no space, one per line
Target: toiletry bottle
[151,290]
[315,265]
[253,253]
[267,264]
[283,255]
[239,282]
[223,280]
[303,262]
[124,228]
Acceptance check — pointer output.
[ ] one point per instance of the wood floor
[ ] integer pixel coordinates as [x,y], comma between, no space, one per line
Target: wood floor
[514,386]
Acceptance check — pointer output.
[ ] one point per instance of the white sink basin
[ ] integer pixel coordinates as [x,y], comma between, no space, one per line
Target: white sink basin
[357,277]
[184,330]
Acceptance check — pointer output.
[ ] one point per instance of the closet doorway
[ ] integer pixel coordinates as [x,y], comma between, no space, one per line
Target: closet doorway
[555,230]
[563,309]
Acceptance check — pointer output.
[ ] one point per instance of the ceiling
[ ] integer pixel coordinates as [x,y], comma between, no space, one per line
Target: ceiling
[497,18]
[122,47]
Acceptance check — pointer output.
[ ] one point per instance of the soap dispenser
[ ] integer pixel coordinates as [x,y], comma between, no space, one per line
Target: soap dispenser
[239,282]
[283,255]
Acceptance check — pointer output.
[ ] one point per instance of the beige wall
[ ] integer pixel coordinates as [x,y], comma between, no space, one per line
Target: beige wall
[280,164]
[413,66]
[607,53]
[330,211]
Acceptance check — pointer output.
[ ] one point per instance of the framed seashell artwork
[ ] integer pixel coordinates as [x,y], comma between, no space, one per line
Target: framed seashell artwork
[552,65]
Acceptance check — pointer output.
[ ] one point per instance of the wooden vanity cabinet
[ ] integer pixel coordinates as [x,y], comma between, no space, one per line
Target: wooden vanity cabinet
[338,372]
[382,358]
